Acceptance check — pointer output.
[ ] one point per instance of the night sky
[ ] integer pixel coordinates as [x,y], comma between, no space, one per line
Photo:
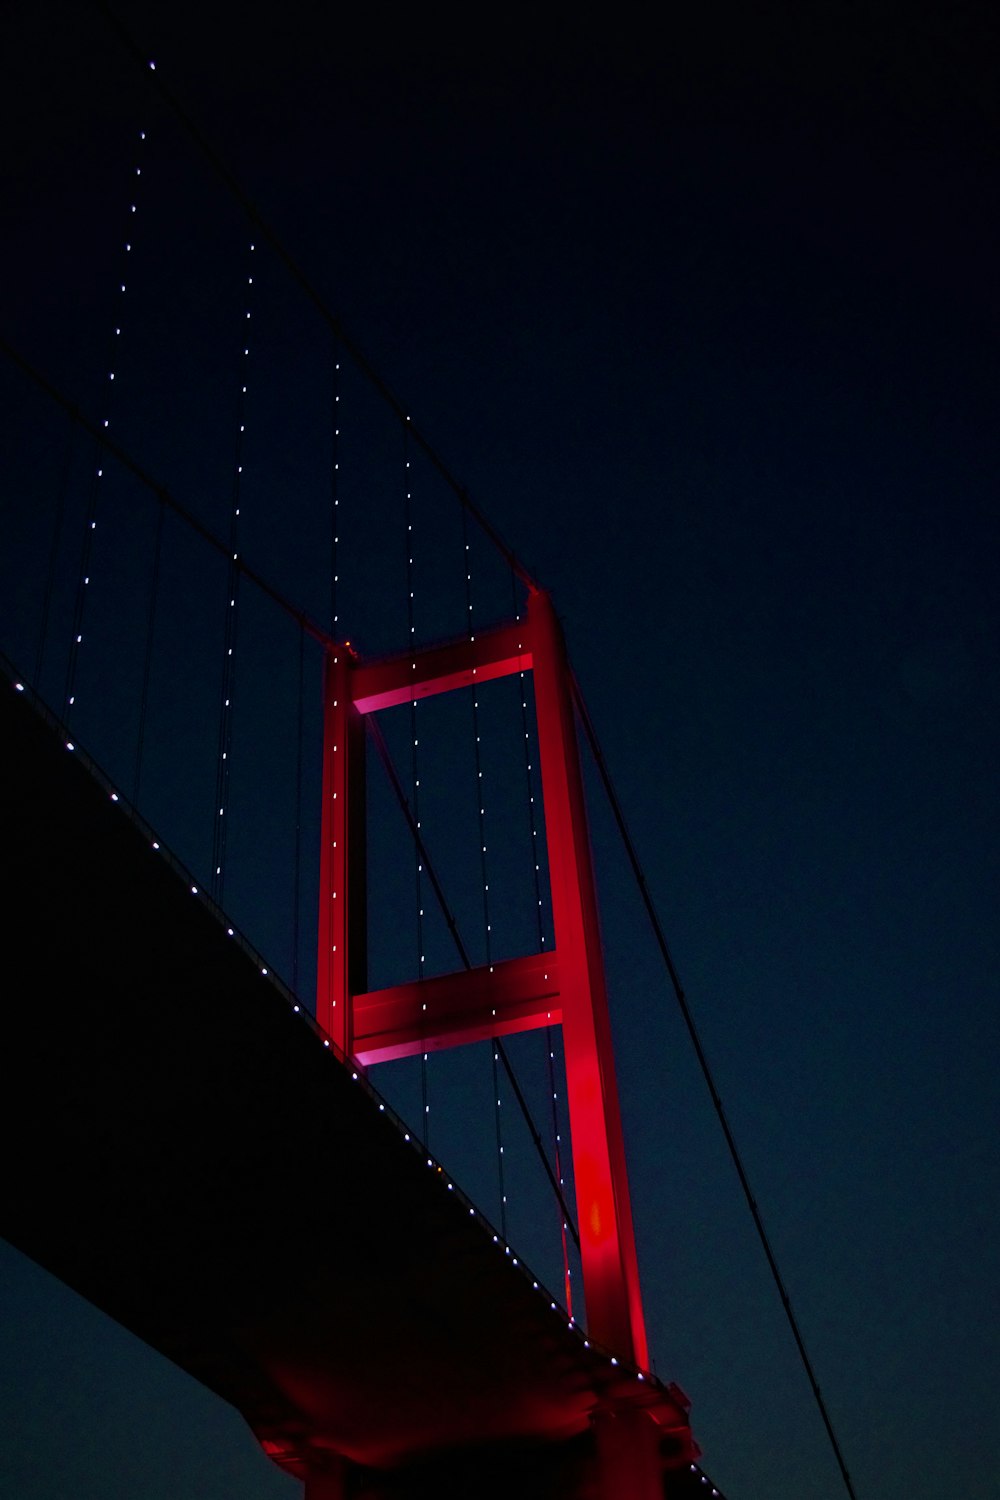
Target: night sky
[703,312]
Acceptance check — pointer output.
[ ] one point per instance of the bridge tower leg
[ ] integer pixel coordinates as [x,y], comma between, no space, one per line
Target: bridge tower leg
[607,1239]
[343,959]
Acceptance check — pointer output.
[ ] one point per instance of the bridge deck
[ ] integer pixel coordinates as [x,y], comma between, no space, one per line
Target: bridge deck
[189,1156]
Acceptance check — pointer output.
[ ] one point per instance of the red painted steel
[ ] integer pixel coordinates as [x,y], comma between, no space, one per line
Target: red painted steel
[517,994]
[401,679]
[607,1239]
[506,997]
[342,957]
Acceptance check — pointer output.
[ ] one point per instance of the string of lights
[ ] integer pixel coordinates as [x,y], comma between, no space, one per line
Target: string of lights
[418,868]
[113,368]
[484,871]
[231,619]
[335,500]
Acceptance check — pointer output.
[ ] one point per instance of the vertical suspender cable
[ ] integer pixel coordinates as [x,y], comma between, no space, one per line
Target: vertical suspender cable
[297,874]
[90,524]
[418,868]
[54,546]
[335,500]
[147,663]
[484,871]
[227,691]
[265,232]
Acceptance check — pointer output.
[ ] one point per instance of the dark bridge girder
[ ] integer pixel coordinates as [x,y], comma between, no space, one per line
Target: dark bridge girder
[187,1154]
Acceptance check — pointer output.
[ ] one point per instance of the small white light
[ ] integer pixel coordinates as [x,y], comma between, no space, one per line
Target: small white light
[70,745]
[194,890]
[19,686]
[114,796]
[263,971]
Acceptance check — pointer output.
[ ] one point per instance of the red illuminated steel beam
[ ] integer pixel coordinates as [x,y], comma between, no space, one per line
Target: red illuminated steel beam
[517,995]
[343,940]
[607,1238]
[402,679]
[472,1005]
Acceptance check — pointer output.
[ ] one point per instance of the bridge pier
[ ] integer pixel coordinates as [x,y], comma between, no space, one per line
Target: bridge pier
[330,1484]
[628,1455]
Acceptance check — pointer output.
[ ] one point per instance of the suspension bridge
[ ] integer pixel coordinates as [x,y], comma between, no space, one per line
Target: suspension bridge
[295,797]
[394,1330]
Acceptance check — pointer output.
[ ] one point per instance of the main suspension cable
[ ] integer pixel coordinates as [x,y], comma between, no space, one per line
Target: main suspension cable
[692,1030]
[418,867]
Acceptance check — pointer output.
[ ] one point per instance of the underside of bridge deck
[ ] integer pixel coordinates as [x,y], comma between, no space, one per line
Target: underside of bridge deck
[192,1158]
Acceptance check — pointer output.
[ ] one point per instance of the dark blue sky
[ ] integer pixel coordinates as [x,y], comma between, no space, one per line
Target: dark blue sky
[706,320]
